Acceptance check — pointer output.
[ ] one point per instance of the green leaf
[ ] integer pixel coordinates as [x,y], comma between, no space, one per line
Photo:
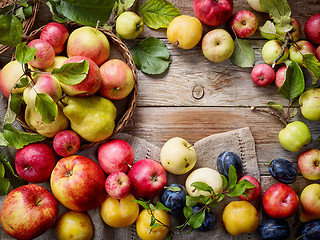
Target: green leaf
[153,226]
[4,186]
[276,106]
[27,11]
[72,73]
[158,13]
[152,220]
[85,12]
[46,107]
[128,4]
[14,105]
[7,165]
[284,24]
[23,82]
[243,54]
[202,186]
[221,196]
[224,181]
[18,139]
[3,141]
[232,176]
[55,15]
[197,219]
[160,206]
[152,207]
[313,65]
[175,189]
[142,203]
[20,14]
[276,8]
[11,30]
[240,188]
[268,31]
[2,170]
[192,200]
[24,53]
[187,212]
[151,56]
[294,113]
[294,84]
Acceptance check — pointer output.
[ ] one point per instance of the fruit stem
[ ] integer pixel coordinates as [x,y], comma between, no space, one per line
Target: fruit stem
[284,46]
[282,119]
[97,25]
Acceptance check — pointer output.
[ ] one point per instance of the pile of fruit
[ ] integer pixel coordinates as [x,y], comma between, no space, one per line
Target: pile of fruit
[66,79]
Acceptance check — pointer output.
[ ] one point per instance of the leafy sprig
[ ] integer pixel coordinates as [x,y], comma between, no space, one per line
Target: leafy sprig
[230,187]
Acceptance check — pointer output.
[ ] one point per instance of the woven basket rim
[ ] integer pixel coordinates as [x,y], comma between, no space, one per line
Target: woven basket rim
[27,24]
[132,98]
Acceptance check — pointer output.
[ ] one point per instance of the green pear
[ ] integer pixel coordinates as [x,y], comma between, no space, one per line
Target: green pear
[93,118]
[35,123]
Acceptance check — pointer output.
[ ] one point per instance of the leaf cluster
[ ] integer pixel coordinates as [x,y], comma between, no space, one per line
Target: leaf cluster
[11,18]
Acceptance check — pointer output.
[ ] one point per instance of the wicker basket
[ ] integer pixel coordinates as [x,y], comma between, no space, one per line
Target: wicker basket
[26,24]
[125,107]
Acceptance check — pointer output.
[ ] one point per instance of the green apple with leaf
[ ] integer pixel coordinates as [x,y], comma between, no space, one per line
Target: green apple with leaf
[129,25]
[300,48]
[273,50]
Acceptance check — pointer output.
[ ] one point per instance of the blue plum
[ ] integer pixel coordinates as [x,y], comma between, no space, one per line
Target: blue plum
[271,229]
[283,170]
[310,230]
[225,159]
[209,220]
[174,200]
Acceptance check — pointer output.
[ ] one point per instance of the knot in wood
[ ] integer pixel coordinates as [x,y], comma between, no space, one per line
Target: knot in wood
[198,92]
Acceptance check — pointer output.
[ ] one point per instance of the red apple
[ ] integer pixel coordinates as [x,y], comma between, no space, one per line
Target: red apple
[318,53]
[312,28]
[299,49]
[90,85]
[56,34]
[280,76]
[252,193]
[118,185]
[212,12]
[45,54]
[115,155]
[310,203]
[309,164]
[66,143]
[148,178]
[28,211]
[117,79]
[89,42]
[280,201]
[78,183]
[35,162]
[263,75]
[244,23]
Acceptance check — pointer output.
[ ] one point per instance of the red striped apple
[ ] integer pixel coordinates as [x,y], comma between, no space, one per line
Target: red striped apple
[89,42]
[66,143]
[117,79]
[56,34]
[310,203]
[28,212]
[309,164]
[78,183]
[244,23]
[45,54]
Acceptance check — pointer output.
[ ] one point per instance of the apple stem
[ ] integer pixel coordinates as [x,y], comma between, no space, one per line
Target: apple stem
[284,46]
[282,119]
[38,201]
[97,25]
[130,166]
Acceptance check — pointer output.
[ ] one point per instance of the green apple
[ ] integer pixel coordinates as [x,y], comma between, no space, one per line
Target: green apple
[129,25]
[177,156]
[300,48]
[217,45]
[57,63]
[294,136]
[310,203]
[309,102]
[271,50]
[206,175]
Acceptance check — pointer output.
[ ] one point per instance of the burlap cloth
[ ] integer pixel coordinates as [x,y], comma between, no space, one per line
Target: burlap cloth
[239,141]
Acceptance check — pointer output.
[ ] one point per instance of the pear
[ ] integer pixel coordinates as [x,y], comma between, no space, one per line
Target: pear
[93,118]
[35,123]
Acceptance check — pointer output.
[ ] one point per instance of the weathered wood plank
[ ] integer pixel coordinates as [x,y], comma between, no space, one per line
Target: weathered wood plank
[158,124]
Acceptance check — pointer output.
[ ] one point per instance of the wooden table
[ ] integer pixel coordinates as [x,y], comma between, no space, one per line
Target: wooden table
[195,98]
